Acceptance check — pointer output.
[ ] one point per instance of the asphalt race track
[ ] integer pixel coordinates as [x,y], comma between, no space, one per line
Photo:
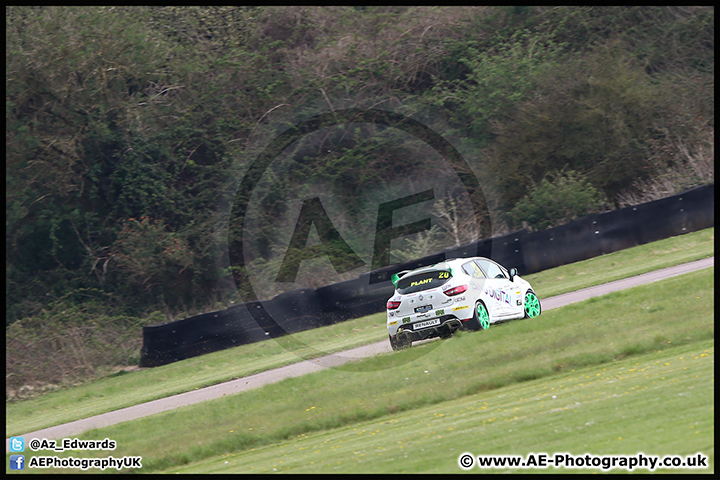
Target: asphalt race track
[309,366]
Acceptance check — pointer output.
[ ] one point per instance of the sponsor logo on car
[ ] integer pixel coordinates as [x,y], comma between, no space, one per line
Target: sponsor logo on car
[423,309]
[427,323]
[462,307]
[498,294]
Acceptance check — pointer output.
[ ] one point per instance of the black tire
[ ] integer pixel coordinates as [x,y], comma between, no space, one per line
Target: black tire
[398,345]
[532,305]
[480,318]
[445,334]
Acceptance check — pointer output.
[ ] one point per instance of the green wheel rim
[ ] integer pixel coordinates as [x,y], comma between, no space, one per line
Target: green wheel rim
[483,316]
[532,305]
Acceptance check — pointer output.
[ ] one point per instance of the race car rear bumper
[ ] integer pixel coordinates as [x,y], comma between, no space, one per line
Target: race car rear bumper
[447,327]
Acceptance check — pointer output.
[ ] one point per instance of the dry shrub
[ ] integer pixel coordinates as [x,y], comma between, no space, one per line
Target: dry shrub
[68,345]
[400,47]
[694,166]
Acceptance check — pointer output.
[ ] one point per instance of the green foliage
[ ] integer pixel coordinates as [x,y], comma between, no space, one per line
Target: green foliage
[577,88]
[499,77]
[152,257]
[98,132]
[557,200]
[594,116]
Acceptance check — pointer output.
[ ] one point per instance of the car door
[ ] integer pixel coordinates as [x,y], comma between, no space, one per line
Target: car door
[499,287]
[477,281]
[486,288]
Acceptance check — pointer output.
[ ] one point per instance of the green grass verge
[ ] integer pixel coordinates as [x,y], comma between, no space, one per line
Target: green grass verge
[673,313]
[658,403]
[132,388]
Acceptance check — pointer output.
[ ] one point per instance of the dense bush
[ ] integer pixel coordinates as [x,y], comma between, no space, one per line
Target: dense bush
[556,200]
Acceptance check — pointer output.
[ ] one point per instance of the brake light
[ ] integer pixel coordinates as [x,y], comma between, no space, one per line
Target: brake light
[392,304]
[456,291]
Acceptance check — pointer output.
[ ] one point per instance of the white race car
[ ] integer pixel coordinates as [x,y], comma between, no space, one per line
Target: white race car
[469,293]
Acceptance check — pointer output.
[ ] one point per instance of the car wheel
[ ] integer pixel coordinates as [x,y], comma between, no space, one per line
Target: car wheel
[532,305]
[445,334]
[398,344]
[480,319]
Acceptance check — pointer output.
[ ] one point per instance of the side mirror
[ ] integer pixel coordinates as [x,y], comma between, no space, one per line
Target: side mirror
[513,272]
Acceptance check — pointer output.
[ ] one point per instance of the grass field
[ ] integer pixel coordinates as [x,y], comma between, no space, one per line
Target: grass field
[135,387]
[632,371]
[603,410]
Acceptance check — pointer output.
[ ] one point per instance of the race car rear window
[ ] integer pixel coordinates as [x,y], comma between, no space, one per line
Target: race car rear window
[422,281]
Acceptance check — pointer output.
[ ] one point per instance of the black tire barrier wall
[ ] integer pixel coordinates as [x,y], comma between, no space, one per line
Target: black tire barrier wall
[170,342]
[305,309]
[627,227]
